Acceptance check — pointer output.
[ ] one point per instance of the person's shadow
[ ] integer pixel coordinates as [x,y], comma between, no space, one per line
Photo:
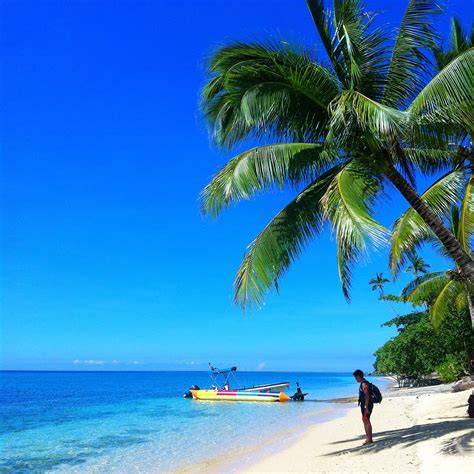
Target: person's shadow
[415,434]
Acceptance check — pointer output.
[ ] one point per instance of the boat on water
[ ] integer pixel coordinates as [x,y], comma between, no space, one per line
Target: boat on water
[221,389]
[240,395]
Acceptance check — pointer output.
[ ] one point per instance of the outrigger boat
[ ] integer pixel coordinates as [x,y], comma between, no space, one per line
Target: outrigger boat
[221,390]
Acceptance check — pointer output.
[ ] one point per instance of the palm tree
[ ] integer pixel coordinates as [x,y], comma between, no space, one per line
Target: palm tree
[378,283]
[337,132]
[418,265]
[443,290]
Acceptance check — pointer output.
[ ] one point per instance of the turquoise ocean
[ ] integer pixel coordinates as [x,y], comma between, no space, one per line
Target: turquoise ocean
[140,422]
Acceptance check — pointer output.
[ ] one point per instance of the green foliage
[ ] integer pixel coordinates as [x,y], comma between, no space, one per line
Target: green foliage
[281,242]
[410,231]
[348,204]
[402,322]
[409,64]
[448,97]
[452,367]
[418,349]
[414,352]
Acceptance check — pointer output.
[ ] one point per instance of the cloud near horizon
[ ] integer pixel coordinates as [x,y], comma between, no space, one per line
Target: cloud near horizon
[103,362]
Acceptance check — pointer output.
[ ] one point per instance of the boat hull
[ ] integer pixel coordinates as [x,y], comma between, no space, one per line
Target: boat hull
[239,396]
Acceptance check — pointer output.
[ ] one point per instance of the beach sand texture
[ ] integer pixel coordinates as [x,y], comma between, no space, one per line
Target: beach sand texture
[415,430]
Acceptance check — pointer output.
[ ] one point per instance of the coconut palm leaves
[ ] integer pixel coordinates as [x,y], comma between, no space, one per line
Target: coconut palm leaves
[347,204]
[464,226]
[409,64]
[448,290]
[262,168]
[355,49]
[440,291]
[264,91]
[410,231]
[335,131]
[448,98]
[342,196]
[281,242]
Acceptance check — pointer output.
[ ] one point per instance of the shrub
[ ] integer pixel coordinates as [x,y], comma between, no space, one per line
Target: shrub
[452,368]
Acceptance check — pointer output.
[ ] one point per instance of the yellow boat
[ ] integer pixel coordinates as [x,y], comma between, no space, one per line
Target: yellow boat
[221,389]
[239,395]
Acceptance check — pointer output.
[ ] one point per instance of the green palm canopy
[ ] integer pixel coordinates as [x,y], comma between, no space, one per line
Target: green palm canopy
[445,290]
[369,111]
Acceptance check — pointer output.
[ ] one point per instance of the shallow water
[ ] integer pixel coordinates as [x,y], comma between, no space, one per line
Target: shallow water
[138,421]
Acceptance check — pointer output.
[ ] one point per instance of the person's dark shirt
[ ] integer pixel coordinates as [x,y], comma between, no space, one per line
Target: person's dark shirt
[361,392]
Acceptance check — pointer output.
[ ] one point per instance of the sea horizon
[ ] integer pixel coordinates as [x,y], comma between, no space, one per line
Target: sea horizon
[171,371]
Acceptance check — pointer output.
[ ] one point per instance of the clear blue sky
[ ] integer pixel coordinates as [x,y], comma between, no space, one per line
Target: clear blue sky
[106,258]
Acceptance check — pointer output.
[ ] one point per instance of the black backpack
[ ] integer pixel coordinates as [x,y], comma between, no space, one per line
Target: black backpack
[375,393]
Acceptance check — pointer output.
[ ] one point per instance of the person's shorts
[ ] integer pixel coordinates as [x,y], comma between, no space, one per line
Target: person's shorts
[371,407]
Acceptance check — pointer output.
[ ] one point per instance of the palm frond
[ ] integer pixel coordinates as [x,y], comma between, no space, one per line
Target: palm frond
[410,231]
[347,204]
[466,217]
[281,243]
[320,18]
[429,160]
[260,168]
[355,49]
[266,91]
[461,302]
[444,302]
[448,99]
[424,288]
[409,65]
[458,40]
[354,114]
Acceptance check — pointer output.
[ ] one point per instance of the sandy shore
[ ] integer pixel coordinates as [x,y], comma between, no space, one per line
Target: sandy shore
[415,430]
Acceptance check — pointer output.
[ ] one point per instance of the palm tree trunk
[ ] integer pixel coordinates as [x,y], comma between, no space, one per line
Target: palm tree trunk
[382,297]
[470,303]
[452,246]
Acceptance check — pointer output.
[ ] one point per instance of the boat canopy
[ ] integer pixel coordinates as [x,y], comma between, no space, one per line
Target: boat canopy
[217,371]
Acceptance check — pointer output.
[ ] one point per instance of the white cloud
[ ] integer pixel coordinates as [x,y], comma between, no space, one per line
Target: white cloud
[89,362]
[105,362]
[261,365]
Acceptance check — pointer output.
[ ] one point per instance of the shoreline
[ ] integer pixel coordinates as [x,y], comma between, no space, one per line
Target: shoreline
[241,458]
[422,429]
[244,457]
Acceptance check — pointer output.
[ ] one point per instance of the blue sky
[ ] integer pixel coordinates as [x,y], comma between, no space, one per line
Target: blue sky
[107,262]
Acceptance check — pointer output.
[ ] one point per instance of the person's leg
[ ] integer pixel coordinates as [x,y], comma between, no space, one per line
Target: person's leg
[368,429]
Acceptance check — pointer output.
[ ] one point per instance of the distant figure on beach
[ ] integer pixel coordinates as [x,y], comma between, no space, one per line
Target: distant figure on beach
[365,403]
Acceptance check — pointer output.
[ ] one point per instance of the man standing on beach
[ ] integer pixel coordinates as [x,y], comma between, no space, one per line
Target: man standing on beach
[365,403]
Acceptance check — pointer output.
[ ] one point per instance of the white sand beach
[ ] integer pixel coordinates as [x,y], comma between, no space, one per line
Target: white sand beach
[422,430]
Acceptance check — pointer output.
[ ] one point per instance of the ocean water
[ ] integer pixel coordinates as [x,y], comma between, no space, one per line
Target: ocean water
[139,421]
